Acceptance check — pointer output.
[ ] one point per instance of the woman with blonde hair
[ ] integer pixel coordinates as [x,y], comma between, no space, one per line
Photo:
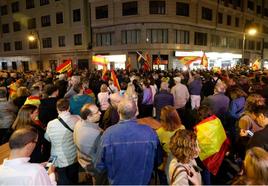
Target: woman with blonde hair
[183,169]
[170,123]
[256,165]
[132,94]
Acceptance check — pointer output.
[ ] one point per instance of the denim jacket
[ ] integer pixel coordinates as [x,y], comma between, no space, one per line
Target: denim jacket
[127,152]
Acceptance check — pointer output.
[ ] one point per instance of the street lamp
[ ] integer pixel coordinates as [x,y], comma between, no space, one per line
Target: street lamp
[251,32]
[32,37]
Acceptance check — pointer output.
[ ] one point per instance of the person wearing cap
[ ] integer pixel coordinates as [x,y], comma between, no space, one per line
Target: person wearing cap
[181,96]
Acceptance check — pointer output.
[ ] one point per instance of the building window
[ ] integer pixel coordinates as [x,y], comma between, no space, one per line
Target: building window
[15,7]
[77,39]
[258,45]
[18,45]
[258,9]
[104,39]
[47,42]
[7,47]
[215,40]
[229,20]
[16,26]
[14,65]
[251,5]
[231,42]
[61,41]
[207,13]
[130,36]
[101,12]
[182,9]
[130,8]
[31,23]
[44,2]
[4,10]
[182,37]
[76,15]
[5,28]
[237,21]
[59,17]
[45,20]
[29,4]
[33,44]
[200,38]
[250,45]
[157,35]
[157,7]
[4,65]
[220,18]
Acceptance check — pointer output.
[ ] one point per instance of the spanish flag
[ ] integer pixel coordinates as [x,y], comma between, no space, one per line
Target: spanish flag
[100,60]
[115,80]
[256,65]
[128,66]
[65,67]
[213,143]
[104,71]
[204,60]
[187,60]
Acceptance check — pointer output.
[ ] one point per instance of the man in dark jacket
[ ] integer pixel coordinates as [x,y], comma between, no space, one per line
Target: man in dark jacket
[48,106]
[163,98]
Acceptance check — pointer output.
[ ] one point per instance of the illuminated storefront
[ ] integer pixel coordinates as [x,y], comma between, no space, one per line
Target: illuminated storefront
[215,59]
[114,61]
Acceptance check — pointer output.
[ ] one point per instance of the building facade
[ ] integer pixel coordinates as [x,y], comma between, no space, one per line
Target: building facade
[60,31]
[175,28]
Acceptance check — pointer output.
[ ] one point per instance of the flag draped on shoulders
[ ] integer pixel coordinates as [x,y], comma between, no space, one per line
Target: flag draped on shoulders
[213,143]
[187,60]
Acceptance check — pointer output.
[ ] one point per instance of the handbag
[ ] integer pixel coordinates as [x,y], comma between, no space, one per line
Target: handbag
[174,174]
[65,124]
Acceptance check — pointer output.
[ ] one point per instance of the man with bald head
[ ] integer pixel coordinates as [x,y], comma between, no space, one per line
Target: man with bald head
[127,150]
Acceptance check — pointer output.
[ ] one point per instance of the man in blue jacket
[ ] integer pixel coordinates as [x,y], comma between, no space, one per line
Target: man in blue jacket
[127,150]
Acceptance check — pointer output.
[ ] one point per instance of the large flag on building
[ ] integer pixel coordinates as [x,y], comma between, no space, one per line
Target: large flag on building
[65,67]
[187,60]
[213,142]
[204,60]
[100,60]
[115,80]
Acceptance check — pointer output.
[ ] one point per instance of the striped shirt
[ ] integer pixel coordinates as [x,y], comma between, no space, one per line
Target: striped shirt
[62,143]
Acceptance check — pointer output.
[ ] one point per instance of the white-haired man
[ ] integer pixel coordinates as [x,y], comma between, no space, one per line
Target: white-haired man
[127,150]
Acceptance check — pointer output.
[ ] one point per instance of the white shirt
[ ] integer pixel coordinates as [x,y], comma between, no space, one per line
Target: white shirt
[62,143]
[20,172]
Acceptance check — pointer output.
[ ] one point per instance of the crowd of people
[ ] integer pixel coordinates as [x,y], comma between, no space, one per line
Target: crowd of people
[92,125]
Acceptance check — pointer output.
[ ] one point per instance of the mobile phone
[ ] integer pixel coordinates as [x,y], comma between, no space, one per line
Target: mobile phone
[51,161]
[250,133]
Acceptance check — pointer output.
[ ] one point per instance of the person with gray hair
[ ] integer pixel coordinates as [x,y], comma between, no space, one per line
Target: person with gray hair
[70,90]
[127,150]
[218,102]
[162,98]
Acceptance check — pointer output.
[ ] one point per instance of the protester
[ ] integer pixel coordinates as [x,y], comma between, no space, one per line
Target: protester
[34,98]
[22,94]
[183,168]
[16,170]
[127,150]
[60,133]
[86,137]
[146,108]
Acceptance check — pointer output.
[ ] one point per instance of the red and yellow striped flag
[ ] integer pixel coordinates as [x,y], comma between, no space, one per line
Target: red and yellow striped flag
[65,67]
[115,80]
[104,71]
[187,60]
[100,60]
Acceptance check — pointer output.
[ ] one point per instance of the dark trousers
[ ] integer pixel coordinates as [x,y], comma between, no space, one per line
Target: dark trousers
[68,175]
